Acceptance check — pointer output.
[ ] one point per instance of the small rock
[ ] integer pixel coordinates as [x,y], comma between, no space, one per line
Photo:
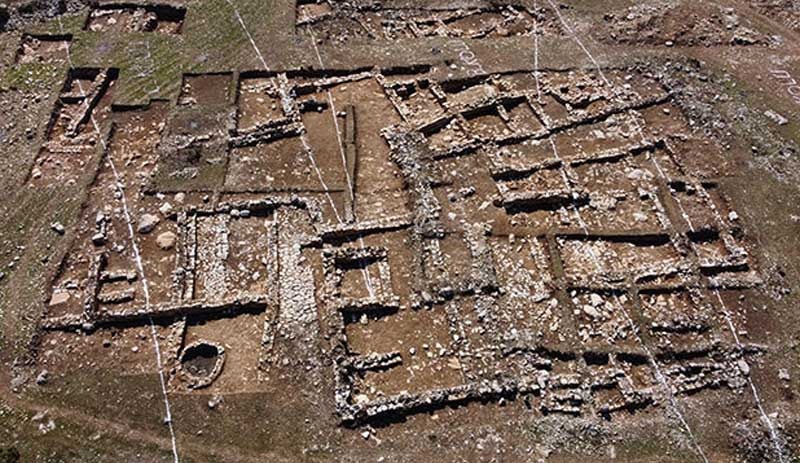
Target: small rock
[743,367]
[135,349]
[454,364]
[147,223]
[58,298]
[733,216]
[447,292]
[214,401]
[166,240]
[596,300]
[98,239]
[44,428]
[165,209]
[783,375]
[180,198]
[57,227]
[777,118]
[636,174]
[42,378]
[17,382]
[591,311]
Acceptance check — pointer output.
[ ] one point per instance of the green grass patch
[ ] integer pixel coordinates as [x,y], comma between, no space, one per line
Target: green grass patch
[68,24]
[31,77]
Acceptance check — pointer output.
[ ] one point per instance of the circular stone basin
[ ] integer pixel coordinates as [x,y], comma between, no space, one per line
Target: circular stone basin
[201,363]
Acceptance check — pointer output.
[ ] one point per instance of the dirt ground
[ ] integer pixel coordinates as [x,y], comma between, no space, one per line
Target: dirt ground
[482,230]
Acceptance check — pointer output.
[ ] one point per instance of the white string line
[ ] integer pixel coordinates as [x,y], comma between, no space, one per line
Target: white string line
[536,51]
[157,88]
[341,145]
[312,159]
[657,369]
[335,122]
[249,37]
[579,42]
[659,375]
[776,441]
[287,98]
[284,99]
[634,330]
[137,258]
[638,129]
[764,416]
[350,181]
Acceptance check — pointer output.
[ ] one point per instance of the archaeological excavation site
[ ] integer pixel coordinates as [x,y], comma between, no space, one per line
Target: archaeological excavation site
[534,231]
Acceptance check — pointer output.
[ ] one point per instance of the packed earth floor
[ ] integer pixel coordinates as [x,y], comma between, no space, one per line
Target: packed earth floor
[395,230]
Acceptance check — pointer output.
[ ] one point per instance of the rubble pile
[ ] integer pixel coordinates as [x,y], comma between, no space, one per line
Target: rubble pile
[667,24]
[122,17]
[342,21]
